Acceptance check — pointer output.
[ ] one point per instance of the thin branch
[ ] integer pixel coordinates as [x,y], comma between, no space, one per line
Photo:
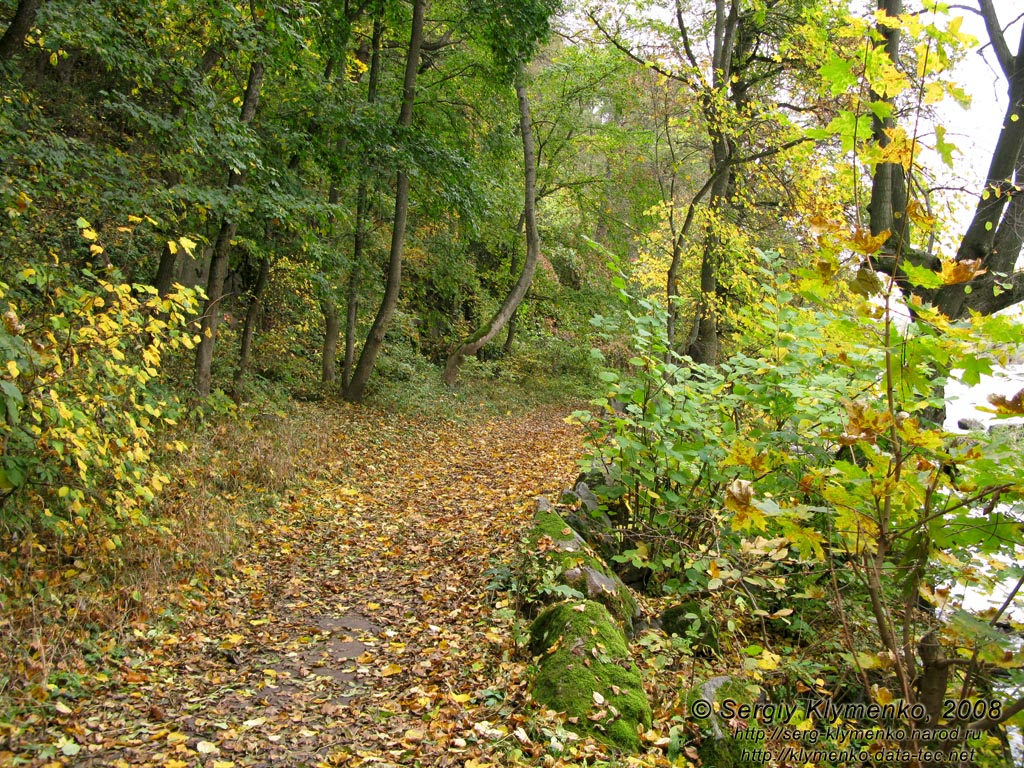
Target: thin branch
[996,36]
[638,59]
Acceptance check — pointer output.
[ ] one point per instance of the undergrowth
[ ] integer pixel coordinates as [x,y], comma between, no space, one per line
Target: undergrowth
[67,604]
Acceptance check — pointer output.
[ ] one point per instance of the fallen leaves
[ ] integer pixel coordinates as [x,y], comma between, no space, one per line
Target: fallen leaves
[355,629]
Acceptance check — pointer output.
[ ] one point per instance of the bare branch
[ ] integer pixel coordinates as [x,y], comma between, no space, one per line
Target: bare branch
[995,34]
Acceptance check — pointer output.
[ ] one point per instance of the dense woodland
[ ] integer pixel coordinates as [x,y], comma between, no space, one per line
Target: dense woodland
[731,237]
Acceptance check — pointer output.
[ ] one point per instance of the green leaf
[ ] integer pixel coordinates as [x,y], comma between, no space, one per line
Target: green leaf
[943,147]
[838,73]
[922,276]
[974,368]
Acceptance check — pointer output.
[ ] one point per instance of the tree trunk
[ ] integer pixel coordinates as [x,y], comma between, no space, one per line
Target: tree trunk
[164,279]
[332,329]
[1000,197]
[351,323]
[14,38]
[252,314]
[515,296]
[704,342]
[222,250]
[356,387]
[888,206]
[359,236]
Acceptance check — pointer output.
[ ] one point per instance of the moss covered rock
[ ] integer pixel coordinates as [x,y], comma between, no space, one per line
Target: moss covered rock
[718,747]
[585,671]
[556,542]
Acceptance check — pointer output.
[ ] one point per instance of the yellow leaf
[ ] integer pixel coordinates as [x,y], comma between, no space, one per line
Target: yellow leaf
[89,233]
[883,695]
[768,660]
[188,244]
[864,242]
[12,368]
[172,247]
[955,272]
[391,670]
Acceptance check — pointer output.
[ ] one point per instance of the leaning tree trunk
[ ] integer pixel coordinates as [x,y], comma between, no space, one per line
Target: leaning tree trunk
[356,387]
[518,292]
[14,37]
[222,251]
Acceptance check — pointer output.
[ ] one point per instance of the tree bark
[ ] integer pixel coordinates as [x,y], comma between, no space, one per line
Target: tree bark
[14,37]
[332,329]
[356,387]
[522,285]
[1000,198]
[888,206]
[222,250]
[704,344]
[253,310]
[355,274]
[164,279]
[252,314]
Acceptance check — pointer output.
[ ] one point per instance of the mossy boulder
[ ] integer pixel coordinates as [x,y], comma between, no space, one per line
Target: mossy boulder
[688,620]
[553,540]
[718,746]
[585,670]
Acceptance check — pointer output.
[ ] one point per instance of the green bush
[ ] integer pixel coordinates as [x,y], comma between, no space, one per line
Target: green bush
[83,400]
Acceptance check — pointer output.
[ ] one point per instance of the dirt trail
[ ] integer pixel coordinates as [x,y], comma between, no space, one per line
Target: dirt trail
[356,628]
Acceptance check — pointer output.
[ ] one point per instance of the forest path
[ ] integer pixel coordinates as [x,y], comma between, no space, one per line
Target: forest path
[356,627]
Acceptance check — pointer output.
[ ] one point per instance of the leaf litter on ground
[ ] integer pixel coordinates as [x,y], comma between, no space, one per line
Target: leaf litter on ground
[355,627]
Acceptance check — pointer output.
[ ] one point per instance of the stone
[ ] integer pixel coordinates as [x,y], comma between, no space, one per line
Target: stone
[718,747]
[971,425]
[585,670]
[581,568]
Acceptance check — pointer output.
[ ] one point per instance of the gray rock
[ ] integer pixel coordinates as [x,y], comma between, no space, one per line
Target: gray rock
[586,496]
[971,425]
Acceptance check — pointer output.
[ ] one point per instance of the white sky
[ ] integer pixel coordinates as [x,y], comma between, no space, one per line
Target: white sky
[975,130]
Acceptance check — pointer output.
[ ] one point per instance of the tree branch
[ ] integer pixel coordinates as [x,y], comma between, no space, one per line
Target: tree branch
[995,34]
